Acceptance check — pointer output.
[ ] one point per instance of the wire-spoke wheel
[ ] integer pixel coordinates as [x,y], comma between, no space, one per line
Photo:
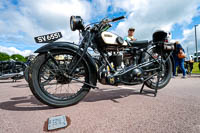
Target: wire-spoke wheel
[51,82]
[164,74]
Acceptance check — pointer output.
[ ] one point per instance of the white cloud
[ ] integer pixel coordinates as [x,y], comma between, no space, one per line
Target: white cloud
[13,50]
[148,16]
[130,5]
[19,24]
[34,18]
[188,40]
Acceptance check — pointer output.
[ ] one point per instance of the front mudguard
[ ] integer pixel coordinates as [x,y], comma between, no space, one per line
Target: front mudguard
[73,47]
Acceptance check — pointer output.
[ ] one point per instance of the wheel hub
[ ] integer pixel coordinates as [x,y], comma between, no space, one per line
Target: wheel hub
[63,79]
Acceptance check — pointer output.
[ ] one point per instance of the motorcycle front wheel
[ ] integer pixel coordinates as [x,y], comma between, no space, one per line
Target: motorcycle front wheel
[50,82]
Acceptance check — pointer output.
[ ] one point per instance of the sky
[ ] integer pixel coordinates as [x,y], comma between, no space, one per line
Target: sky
[22,20]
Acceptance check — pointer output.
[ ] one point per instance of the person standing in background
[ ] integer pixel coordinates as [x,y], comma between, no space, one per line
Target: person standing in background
[177,60]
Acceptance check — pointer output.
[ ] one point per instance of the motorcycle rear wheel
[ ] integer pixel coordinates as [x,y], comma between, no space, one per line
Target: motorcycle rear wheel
[165,77]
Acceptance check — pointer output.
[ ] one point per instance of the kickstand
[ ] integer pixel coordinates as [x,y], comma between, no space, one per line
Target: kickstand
[156,89]
[142,88]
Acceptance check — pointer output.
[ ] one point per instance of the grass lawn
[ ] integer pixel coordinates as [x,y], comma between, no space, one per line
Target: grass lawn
[196,68]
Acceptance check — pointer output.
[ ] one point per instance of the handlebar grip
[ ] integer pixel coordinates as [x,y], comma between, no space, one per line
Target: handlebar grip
[115,19]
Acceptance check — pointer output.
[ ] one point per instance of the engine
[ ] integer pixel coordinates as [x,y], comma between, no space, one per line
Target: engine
[122,57]
[133,76]
[121,61]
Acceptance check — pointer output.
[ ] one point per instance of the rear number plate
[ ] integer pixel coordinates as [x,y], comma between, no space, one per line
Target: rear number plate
[48,38]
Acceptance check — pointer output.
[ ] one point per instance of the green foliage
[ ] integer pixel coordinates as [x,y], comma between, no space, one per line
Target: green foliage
[18,57]
[26,57]
[4,56]
[196,68]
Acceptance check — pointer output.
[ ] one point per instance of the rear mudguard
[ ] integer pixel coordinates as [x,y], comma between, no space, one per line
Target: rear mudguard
[71,46]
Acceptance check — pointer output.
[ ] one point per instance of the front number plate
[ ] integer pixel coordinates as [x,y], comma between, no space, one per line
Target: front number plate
[48,38]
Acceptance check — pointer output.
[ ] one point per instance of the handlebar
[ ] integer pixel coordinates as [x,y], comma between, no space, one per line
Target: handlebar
[103,25]
[118,18]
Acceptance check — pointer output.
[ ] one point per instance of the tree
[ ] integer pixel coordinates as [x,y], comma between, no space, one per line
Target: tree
[18,57]
[4,56]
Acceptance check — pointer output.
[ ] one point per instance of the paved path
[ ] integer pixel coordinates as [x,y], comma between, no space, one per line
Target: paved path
[176,109]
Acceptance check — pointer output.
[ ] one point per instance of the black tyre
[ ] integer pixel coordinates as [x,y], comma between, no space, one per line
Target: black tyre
[165,73]
[165,77]
[26,73]
[49,85]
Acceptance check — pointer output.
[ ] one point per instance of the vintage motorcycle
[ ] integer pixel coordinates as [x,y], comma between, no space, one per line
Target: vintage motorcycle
[12,69]
[63,73]
[28,63]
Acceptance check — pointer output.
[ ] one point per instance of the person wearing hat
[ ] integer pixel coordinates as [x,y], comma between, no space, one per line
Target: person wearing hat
[178,60]
[130,36]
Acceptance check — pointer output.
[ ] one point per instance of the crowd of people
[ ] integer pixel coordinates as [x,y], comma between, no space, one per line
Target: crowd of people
[178,56]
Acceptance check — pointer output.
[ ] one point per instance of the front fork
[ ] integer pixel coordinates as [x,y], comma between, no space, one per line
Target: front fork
[84,45]
[75,58]
[75,61]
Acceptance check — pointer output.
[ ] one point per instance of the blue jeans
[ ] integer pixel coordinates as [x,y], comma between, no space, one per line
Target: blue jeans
[181,64]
